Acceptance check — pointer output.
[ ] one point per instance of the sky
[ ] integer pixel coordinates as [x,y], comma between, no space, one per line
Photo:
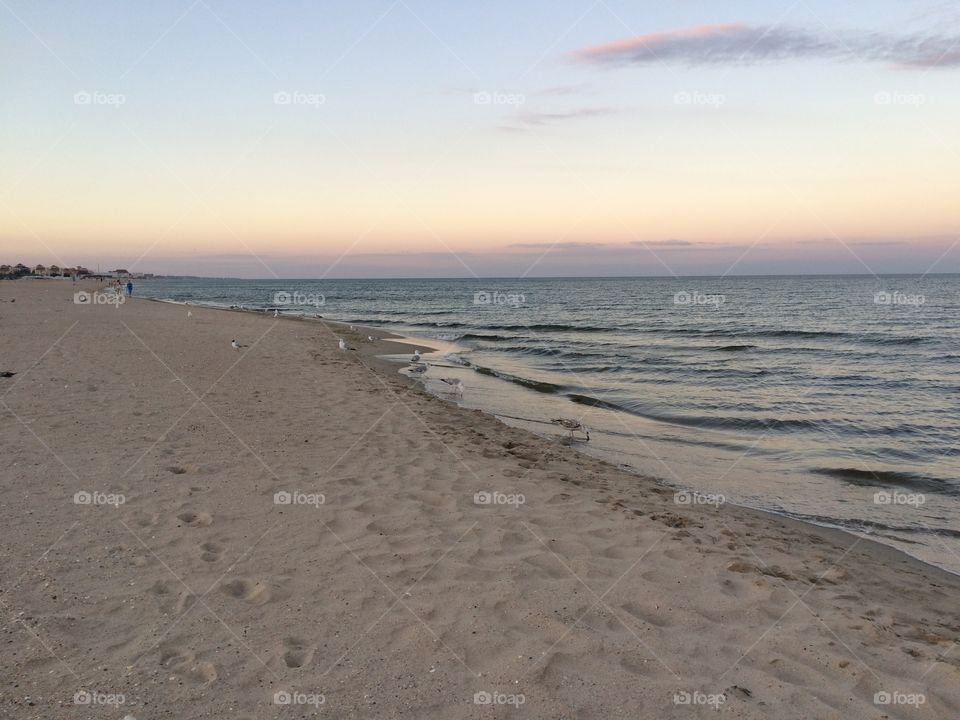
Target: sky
[429,138]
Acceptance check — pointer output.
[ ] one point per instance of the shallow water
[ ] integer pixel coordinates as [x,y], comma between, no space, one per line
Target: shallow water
[832,399]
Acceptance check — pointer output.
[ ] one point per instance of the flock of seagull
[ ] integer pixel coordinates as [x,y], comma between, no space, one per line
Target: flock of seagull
[575,428]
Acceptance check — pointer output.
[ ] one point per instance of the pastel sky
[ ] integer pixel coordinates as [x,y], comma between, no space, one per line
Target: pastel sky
[425,138]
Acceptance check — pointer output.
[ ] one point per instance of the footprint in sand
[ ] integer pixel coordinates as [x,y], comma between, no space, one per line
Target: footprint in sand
[183,661]
[173,597]
[254,593]
[195,519]
[296,652]
[210,552]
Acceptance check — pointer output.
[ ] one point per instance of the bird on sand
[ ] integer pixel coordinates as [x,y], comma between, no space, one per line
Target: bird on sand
[419,368]
[189,313]
[416,356]
[234,344]
[343,344]
[572,427]
[276,313]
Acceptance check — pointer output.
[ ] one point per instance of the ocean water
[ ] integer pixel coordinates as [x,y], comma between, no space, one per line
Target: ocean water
[834,400]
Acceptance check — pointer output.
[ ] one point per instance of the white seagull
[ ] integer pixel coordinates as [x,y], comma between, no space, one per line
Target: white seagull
[369,338]
[343,344]
[572,427]
[234,344]
[189,313]
[276,313]
[416,356]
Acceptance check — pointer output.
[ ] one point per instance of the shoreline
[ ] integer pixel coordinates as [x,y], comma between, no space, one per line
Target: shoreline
[373,355]
[401,593]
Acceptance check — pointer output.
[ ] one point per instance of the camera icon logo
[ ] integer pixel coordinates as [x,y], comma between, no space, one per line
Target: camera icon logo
[482,297]
[81,297]
[482,698]
[82,498]
[282,497]
[482,498]
[282,98]
[682,298]
[282,697]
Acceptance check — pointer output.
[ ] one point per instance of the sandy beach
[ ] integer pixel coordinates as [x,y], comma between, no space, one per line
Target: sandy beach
[290,530]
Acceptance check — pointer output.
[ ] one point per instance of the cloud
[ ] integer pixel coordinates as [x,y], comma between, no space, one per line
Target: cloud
[740,44]
[525,120]
[557,245]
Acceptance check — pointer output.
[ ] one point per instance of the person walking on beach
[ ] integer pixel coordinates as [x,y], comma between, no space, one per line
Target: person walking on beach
[129,287]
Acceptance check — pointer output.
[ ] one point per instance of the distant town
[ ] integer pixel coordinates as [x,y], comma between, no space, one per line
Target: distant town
[12,272]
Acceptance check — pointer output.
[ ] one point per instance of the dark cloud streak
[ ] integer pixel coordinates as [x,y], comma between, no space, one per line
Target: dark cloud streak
[738,44]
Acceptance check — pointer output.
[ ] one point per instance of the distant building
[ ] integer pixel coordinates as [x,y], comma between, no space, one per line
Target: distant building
[40,270]
[53,271]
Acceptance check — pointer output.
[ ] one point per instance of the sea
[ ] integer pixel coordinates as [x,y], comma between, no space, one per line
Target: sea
[830,399]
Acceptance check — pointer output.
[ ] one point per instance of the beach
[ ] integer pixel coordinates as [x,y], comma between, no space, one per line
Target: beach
[289,529]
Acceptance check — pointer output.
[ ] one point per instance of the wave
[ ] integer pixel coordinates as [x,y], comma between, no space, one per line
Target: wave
[890,478]
[538,385]
[734,348]
[485,336]
[717,423]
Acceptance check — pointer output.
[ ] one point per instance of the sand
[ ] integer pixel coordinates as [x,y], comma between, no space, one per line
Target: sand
[179,584]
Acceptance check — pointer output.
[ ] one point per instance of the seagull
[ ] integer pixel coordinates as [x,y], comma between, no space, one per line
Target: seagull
[189,313]
[416,356]
[572,426]
[369,338]
[419,368]
[352,327]
[343,344]
[456,384]
[276,313]
[234,344]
